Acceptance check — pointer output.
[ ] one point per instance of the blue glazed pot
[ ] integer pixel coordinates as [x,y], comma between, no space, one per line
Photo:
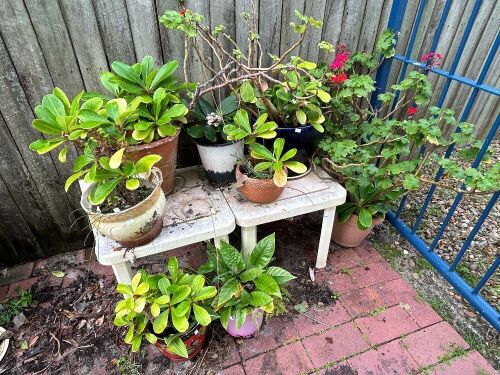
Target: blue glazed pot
[305,139]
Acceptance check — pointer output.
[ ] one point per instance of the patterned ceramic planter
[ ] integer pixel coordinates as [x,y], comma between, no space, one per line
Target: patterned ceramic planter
[219,160]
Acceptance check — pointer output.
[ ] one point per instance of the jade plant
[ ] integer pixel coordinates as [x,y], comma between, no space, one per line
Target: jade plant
[163,307]
[381,153]
[246,282]
[98,131]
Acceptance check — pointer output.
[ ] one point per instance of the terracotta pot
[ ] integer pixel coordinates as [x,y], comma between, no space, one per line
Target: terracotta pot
[348,234]
[249,328]
[219,160]
[258,191]
[136,225]
[194,339]
[167,149]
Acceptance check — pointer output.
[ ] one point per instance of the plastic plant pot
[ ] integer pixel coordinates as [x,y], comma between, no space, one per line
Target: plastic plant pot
[249,328]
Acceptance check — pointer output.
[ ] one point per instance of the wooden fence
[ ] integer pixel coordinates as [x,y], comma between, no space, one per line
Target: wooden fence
[68,43]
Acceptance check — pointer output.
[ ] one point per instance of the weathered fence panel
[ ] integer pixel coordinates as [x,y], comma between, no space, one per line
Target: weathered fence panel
[68,43]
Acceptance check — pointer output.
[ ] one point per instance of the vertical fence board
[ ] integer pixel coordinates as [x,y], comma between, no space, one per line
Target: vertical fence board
[288,36]
[352,21]
[310,50]
[172,41]
[82,26]
[240,24]
[331,24]
[270,27]
[144,27]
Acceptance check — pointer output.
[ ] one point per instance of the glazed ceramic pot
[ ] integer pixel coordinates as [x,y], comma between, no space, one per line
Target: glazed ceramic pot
[193,338]
[219,160]
[256,190]
[136,225]
[348,234]
[305,139]
[249,328]
[167,149]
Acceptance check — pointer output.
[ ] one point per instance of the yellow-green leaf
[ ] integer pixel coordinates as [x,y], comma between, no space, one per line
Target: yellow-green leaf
[62,155]
[301,116]
[132,183]
[130,334]
[280,178]
[116,159]
[324,96]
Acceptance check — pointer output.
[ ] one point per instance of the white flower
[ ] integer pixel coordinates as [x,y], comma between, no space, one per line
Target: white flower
[214,119]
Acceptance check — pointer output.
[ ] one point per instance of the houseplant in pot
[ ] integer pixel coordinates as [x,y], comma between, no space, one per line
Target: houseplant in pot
[218,154]
[249,287]
[124,201]
[160,113]
[171,311]
[261,177]
[381,158]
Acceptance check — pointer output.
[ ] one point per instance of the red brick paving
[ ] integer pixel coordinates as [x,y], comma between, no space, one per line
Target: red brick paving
[379,325]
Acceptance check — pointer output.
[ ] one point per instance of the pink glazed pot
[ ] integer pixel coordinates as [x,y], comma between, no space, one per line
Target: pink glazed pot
[251,326]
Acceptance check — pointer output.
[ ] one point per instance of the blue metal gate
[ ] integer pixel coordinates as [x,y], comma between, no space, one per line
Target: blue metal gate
[470,292]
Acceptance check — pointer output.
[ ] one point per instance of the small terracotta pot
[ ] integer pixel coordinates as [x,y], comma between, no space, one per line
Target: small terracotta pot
[136,225]
[167,149]
[258,191]
[194,339]
[348,234]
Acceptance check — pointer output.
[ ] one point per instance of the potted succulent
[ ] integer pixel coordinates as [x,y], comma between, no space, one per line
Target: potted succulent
[287,89]
[124,201]
[159,115]
[261,177]
[371,151]
[249,287]
[218,154]
[170,311]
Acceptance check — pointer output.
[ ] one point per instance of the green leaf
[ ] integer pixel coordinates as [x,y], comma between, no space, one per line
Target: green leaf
[163,285]
[263,252]
[124,289]
[246,92]
[241,119]
[205,293]
[173,267]
[229,105]
[73,178]
[228,290]
[164,72]
[280,275]
[201,315]
[225,313]
[58,274]
[145,163]
[47,128]
[198,283]
[232,257]
[301,116]
[24,345]
[177,346]
[180,323]
[136,343]
[102,190]
[132,183]
[130,334]
[62,155]
[364,218]
[151,338]
[410,182]
[81,161]
[250,274]
[323,96]
[267,284]
[142,288]
[127,72]
[161,322]
[136,280]
[177,110]
[54,105]
[260,298]
[259,151]
[296,166]
[116,159]
[180,294]
[126,304]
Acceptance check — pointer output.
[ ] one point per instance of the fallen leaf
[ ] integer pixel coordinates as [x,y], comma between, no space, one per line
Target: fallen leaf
[58,273]
[33,341]
[311,274]
[81,324]
[99,321]
[24,345]
[19,320]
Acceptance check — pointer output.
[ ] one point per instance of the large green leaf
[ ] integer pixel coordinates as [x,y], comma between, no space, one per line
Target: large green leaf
[260,298]
[205,293]
[73,178]
[180,294]
[241,119]
[246,92]
[225,313]
[228,290]
[54,105]
[250,274]
[161,322]
[177,110]
[126,72]
[164,72]
[177,346]
[180,323]
[201,315]
[259,151]
[228,105]
[263,252]
[47,128]
[232,257]
[145,163]
[102,190]
[279,274]
[267,284]
[364,219]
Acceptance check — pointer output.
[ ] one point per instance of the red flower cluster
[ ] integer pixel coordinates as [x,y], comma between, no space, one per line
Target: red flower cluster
[431,59]
[340,58]
[411,111]
[338,79]
[182,12]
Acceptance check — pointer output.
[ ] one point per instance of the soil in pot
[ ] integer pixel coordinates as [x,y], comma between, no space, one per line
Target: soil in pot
[167,149]
[348,234]
[219,160]
[249,328]
[136,225]
[194,339]
[257,190]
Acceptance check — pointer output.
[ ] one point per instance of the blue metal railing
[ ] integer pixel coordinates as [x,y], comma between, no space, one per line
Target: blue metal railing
[470,292]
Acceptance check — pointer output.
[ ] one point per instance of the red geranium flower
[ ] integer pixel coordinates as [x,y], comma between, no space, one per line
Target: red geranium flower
[431,59]
[411,111]
[182,12]
[340,58]
[338,79]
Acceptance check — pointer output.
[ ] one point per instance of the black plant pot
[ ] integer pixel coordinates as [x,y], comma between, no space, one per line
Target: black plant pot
[305,139]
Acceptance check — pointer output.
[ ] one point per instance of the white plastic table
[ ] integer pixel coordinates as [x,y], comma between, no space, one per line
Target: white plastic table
[313,192]
[195,212]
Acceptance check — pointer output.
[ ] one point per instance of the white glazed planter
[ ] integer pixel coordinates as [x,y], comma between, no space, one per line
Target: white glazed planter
[219,160]
[4,344]
[136,225]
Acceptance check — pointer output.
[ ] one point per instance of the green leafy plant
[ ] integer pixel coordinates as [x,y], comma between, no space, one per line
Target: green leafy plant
[163,307]
[274,163]
[382,153]
[98,130]
[14,306]
[211,119]
[241,128]
[246,282]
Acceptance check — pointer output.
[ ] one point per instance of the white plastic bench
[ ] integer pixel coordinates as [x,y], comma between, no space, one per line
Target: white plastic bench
[195,212]
[313,192]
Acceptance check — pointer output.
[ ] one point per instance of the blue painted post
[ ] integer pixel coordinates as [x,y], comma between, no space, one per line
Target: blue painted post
[487,275]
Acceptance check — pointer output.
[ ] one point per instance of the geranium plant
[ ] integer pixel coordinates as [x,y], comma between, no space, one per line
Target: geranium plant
[246,283]
[162,307]
[380,156]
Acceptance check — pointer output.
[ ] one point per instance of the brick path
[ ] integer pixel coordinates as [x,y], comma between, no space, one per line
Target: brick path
[378,326]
